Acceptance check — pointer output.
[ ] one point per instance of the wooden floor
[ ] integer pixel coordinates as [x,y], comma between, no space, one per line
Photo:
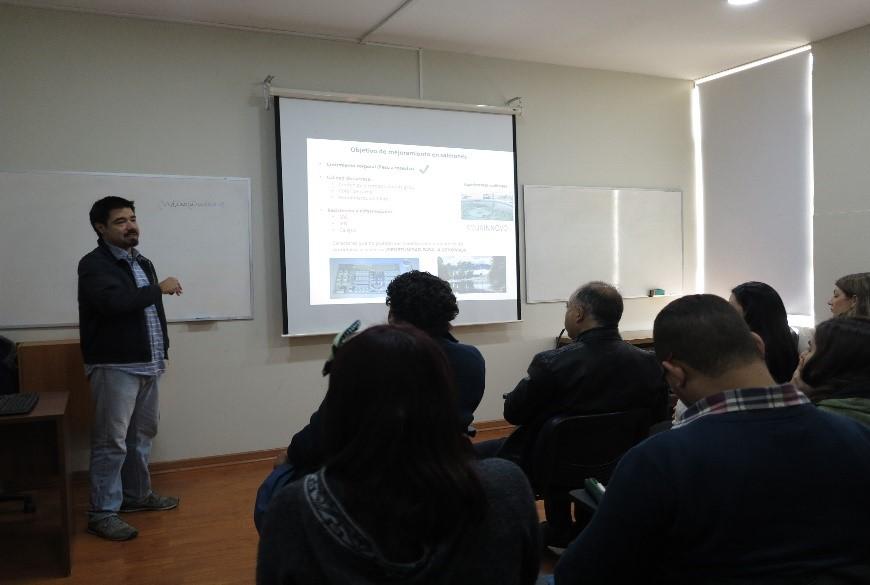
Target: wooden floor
[209,539]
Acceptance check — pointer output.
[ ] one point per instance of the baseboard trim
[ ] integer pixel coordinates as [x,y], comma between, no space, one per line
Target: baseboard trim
[162,467]
[215,461]
[492,425]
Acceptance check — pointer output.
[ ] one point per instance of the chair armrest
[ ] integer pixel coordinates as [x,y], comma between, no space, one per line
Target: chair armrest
[582,498]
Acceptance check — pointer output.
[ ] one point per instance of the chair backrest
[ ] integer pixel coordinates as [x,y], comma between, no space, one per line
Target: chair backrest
[8,367]
[571,448]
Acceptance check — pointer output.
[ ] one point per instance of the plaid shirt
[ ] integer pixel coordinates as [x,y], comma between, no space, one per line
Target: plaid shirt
[743,399]
[155,334]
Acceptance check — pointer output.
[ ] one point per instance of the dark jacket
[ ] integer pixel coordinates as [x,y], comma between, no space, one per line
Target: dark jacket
[309,538]
[597,373]
[112,322]
[469,374]
[469,371]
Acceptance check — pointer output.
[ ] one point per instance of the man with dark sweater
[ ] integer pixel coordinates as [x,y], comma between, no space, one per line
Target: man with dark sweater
[752,485]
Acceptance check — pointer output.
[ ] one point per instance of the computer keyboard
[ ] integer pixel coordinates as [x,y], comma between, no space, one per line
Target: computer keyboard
[17,403]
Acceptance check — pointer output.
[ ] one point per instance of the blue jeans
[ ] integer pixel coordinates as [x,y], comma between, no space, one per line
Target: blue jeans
[125,422]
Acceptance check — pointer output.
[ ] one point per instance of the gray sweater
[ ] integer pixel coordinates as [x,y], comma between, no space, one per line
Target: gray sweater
[308,538]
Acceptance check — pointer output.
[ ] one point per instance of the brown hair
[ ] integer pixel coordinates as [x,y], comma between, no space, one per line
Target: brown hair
[390,437]
[856,286]
[840,364]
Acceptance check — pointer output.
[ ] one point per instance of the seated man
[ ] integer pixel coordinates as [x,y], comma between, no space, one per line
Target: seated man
[752,485]
[597,373]
[428,303]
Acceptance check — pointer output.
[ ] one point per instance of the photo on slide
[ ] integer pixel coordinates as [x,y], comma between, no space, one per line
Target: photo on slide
[366,277]
[488,206]
[474,274]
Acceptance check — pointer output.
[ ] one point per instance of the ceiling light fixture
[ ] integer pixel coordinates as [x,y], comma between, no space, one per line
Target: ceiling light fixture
[741,2]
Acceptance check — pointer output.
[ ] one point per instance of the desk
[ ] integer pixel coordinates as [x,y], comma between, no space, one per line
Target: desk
[48,366]
[641,339]
[33,456]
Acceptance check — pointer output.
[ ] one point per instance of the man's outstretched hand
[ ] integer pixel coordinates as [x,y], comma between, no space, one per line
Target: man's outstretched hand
[171,286]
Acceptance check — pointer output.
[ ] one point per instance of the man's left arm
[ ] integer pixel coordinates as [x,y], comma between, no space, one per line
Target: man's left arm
[168,286]
[532,395]
[470,372]
[105,291]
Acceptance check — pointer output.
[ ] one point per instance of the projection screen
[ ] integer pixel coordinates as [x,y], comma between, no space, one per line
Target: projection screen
[367,192]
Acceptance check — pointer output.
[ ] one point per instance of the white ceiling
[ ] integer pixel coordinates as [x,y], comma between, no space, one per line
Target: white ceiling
[672,38]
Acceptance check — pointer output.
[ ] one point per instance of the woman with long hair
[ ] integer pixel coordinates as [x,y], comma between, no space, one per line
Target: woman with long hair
[401,498]
[764,312]
[851,296]
[835,372]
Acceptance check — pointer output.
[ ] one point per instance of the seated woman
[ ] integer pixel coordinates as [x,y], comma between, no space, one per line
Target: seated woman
[851,296]
[401,498]
[764,312]
[835,372]
[428,303]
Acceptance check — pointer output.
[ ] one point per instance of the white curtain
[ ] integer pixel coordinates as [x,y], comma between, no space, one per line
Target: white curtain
[756,145]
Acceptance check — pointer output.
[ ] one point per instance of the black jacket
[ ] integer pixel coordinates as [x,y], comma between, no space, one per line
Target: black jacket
[112,321]
[597,373]
[308,537]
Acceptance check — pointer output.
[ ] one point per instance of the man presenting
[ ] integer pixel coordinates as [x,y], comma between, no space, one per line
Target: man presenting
[124,343]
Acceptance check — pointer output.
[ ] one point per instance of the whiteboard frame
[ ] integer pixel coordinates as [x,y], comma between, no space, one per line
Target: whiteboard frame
[591,188]
[198,319]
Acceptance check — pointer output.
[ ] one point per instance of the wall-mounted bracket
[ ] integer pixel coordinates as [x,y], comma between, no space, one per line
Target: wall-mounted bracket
[267,91]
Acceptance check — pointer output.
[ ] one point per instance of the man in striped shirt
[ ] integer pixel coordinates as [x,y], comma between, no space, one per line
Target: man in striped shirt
[124,342]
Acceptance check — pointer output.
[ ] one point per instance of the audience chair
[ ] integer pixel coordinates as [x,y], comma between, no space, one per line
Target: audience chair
[660,427]
[571,448]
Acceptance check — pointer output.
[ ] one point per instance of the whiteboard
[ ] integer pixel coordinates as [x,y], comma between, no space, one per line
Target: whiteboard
[194,228]
[632,238]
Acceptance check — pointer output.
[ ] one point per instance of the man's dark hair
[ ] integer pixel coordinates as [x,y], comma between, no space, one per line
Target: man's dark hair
[704,332]
[101,209]
[423,300]
[840,364]
[601,300]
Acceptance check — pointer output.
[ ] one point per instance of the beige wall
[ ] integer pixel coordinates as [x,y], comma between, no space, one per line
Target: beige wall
[92,93]
[841,132]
